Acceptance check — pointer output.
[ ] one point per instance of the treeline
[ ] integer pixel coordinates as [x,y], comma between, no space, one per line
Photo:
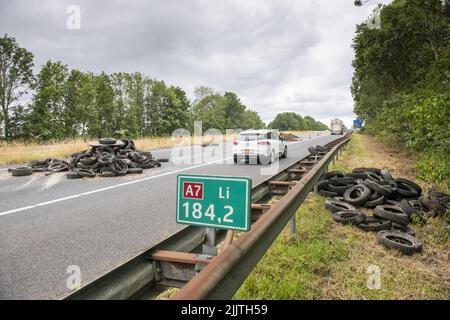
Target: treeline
[67,103]
[292,121]
[401,83]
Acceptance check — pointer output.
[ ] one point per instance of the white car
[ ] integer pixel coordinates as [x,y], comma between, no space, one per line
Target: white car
[259,146]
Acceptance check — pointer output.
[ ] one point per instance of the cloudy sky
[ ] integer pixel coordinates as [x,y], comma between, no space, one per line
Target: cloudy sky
[276,55]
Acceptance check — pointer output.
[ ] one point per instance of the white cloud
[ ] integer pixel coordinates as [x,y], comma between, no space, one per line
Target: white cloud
[276,55]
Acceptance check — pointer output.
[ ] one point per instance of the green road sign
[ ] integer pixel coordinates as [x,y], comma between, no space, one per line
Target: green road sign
[221,202]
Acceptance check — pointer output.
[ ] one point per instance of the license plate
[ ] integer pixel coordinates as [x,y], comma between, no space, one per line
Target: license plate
[247,151]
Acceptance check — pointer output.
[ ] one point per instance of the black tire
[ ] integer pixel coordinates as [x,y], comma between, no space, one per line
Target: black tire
[106,159]
[73,175]
[284,154]
[411,207]
[134,170]
[373,170]
[107,141]
[320,148]
[357,195]
[313,151]
[391,185]
[375,202]
[133,164]
[338,189]
[322,184]
[375,224]
[386,175]
[86,173]
[390,212]
[403,242]
[374,186]
[328,194]
[88,160]
[393,202]
[107,173]
[373,176]
[119,167]
[410,183]
[336,205]
[402,228]
[21,171]
[406,190]
[83,166]
[353,217]
[340,181]
[333,174]
[357,175]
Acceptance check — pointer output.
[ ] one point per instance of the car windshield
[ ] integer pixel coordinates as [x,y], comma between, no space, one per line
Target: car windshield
[252,136]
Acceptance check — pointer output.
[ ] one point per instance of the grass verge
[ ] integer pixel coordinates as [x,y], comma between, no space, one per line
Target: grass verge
[327,260]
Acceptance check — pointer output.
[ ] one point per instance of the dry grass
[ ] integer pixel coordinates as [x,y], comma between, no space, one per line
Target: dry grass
[22,152]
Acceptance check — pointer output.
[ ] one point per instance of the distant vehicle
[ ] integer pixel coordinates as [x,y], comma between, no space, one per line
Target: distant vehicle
[337,126]
[264,146]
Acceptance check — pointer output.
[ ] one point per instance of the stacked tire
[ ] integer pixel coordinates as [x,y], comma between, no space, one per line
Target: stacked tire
[110,159]
[394,204]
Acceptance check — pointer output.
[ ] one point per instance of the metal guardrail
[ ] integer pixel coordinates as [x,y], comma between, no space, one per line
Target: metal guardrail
[174,262]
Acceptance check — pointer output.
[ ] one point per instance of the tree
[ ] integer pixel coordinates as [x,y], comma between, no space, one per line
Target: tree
[79,94]
[401,80]
[101,121]
[234,111]
[251,120]
[286,121]
[16,76]
[47,120]
[291,121]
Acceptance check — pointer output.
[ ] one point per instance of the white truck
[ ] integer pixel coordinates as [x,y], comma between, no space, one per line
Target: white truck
[337,126]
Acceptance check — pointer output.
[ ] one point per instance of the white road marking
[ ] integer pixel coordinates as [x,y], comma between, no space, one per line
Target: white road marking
[4,213]
[108,188]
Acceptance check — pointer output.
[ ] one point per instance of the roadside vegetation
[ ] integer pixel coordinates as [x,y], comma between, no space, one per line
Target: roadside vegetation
[401,82]
[327,260]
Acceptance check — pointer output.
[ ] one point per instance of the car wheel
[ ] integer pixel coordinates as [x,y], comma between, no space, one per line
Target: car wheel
[235,159]
[284,154]
[272,157]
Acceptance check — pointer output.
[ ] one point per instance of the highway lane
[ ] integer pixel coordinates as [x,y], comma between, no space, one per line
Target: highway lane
[50,223]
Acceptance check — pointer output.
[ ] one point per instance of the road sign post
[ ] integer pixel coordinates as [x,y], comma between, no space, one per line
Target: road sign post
[221,202]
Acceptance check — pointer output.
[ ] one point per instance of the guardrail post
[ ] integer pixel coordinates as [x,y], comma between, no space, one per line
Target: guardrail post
[211,239]
[294,224]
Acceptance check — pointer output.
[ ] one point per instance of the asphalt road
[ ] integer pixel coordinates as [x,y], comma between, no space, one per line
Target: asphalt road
[48,223]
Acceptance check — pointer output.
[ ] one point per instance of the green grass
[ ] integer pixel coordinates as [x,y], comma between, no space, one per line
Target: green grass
[295,264]
[327,260]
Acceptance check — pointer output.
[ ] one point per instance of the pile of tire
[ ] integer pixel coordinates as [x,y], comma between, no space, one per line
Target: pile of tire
[107,158]
[48,166]
[394,204]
